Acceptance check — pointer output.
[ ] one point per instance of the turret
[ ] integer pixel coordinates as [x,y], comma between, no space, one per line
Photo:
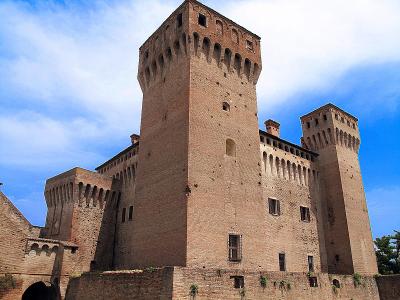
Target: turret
[334,135]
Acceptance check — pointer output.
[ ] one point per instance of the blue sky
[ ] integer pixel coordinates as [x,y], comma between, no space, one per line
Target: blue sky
[69,95]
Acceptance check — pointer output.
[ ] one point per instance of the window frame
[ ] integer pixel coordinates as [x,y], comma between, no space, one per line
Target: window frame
[282,262]
[201,18]
[310,263]
[306,214]
[238,248]
[130,213]
[123,217]
[274,207]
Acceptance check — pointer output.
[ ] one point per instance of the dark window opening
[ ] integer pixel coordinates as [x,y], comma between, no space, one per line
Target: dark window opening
[325,118]
[316,122]
[179,20]
[342,119]
[282,263]
[238,282]
[274,143]
[123,214]
[308,125]
[305,214]
[202,20]
[337,258]
[130,213]
[268,141]
[73,250]
[274,207]
[234,247]
[313,281]
[249,45]
[336,117]
[226,106]
[336,283]
[262,139]
[310,260]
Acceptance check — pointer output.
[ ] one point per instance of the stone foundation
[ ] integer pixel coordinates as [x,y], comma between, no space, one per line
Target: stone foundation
[176,282]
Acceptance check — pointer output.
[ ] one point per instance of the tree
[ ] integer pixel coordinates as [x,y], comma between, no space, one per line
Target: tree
[388,253]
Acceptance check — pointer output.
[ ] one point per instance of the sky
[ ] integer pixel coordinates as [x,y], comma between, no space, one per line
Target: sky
[69,94]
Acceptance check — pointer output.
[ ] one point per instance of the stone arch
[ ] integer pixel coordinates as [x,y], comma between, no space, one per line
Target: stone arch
[227,58]
[206,47]
[35,247]
[237,63]
[230,148]
[277,165]
[336,283]
[271,164]
[219,27]
[45,249]
[217,53]
[42,291]
[235,36]
[247,68]
[289,170]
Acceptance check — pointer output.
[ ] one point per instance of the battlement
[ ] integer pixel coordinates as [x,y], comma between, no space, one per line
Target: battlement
[330,125]
[195,29]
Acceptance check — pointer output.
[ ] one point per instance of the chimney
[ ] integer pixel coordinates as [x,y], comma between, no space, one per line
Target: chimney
[272,127]
[134,138]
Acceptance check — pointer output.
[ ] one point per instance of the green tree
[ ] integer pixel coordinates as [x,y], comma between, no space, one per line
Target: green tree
[388,253]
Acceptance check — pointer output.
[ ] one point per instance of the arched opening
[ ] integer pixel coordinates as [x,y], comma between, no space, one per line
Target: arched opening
[235,36]
[227,58]
[230,147]
[177,47]
[41,291]
[237,63]
[226,106]
[277,165]
[219,27]
[265,158]
[206,47]
[271,163]
[247,68]
[196,38]
[161,62]
[169,54]
[217,53]
[336,283]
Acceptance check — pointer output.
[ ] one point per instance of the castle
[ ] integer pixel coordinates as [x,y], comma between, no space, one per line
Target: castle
[203,203]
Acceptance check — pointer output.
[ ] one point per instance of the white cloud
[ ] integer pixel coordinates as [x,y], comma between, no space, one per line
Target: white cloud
[60,59]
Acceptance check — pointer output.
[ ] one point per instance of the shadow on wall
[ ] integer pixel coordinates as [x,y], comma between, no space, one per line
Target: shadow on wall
[40,291]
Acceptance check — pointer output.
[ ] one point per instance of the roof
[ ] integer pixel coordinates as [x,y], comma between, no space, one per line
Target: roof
[126,150]
[287,142]
[329,105]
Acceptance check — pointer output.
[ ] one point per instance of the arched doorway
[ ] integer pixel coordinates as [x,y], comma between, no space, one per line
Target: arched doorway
[41,291]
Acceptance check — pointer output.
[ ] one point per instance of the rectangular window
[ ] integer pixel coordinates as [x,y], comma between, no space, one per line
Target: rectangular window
[249,45]
[310,264]
[238,282]
[305,214]
[308,125]
[179,20]
[313,281]
[234,247]
[325,118]
[282,263]
[130,213]
[274,207]
[202,20]
[123,214]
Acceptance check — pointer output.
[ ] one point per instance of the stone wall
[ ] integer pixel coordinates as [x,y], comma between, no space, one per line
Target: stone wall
[389,287]
[176,282]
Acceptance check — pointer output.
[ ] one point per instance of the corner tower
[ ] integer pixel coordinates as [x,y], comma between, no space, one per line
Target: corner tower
[198,178]
[334,134]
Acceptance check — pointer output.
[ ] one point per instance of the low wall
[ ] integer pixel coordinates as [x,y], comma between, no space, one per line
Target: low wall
[389,287]
[144,285]
[176,282]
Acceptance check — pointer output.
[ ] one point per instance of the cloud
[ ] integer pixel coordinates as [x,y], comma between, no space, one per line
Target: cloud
[68,71]
[307,45]
[384,207]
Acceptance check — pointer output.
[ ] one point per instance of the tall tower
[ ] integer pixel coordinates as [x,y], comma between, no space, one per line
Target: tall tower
[198,178]
[334,134]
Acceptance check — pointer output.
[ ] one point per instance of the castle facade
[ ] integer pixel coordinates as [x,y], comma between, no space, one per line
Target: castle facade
[204,195]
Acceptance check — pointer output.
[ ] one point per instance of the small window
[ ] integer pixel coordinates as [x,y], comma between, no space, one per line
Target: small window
[336,283]
[179,20]
[123,214]
[249,45]
[308,125]
[342,119]
[316,122]
[325,118]
[268,141]
[354,126]
[313,281]
[230,147]
[282,263]
[310,260]
[226,106]
[274,207]
[336,117]
[234,247]
[202,20]
[130,213]
[73,250]
[238,282]
[262,139]
[305,214]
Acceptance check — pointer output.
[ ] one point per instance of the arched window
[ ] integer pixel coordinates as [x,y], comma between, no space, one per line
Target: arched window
[283,165]
[206,47]
[196,41]
[217,53]
[226,106]
[277,164]
[227,57]
[288,170]
[247,67]
[238,63]
[235,36]
[219,27]
[271,163]
[294,171]
[265,158]
[336,283]
[300,175]
[230,147]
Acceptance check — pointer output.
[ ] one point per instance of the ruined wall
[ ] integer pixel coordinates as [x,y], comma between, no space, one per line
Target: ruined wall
[291,176]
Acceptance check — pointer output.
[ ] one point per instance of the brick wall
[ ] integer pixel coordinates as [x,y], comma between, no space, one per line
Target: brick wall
[389,287]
